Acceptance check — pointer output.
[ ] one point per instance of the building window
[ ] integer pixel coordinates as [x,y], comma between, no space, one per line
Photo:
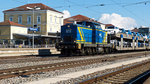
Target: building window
[38,19]
[11,18]
[20,19]
[28,19]
[39,28]
[60,20]
[50,29]
[55,19]
[51,18]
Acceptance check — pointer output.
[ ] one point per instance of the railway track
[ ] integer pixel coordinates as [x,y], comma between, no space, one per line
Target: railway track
[10,60]
[120,76]
[14,57]
[28,59]
[6,73]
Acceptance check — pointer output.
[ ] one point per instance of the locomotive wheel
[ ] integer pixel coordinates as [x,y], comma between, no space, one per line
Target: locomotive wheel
[96,52]
[82,51]
[66,52]
[86,51]
[62,52]
[93,51]
[90,51]
[69,53]
[106,50]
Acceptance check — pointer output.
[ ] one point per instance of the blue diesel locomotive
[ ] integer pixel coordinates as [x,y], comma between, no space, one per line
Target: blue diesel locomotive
[83,38]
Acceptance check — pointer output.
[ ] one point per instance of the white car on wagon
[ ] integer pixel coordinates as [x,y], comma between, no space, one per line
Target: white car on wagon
[112,30]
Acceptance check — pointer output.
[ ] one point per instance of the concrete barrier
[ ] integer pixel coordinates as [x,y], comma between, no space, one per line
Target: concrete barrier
[44,52]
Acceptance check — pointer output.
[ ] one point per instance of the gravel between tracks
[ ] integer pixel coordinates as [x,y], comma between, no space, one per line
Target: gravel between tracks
[95,74]
[24,64]
[34,77]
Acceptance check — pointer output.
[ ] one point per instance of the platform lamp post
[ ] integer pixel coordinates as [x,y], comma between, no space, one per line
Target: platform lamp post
[33,9]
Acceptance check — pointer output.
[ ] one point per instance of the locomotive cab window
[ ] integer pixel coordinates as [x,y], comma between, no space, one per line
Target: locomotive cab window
[98,26]
[89,25]
[79,23]
[111,27]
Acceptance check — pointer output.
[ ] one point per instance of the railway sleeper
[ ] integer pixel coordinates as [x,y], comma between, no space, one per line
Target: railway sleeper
[115,82]
[118,79]
[111,82]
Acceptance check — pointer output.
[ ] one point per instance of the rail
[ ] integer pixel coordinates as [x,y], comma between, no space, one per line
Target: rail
[106,76]
[6,73]
[140,79]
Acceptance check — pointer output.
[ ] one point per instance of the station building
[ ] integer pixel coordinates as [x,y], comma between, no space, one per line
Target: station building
[47,20]
[81,18]
[144,30]
[8,31]
[135,30]
[108,25]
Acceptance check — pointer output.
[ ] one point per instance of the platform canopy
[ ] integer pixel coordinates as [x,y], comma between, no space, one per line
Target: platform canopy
[35,36]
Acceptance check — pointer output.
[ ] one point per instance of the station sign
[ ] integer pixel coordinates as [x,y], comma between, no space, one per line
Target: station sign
[33,29]
[121,35]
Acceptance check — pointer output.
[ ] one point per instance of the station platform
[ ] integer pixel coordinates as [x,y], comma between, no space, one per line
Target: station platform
[10,52]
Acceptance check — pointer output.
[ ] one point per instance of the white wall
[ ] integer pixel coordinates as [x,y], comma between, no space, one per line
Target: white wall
[103,26]
[18,30]
[54,21]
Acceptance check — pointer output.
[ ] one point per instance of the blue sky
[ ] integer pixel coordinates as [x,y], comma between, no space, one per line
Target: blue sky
[139,12]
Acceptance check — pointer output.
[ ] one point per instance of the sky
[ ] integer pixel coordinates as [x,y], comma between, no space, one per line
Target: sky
[122,13]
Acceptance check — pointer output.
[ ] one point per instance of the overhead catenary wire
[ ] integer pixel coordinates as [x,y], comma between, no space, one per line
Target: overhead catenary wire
[103,4]
[109,4]
[131,12]
[88,7]
[83,7]
[136,3]
[20,1]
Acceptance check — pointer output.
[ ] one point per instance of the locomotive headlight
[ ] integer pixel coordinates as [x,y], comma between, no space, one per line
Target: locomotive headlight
[75,40]
[62,40]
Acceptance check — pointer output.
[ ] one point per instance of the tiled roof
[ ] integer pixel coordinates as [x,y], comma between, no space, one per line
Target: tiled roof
[107,25]
[78,18]
[10,23]
[135,30]
[24,7]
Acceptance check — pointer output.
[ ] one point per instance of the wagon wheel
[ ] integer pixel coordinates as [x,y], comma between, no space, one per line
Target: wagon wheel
[94,51]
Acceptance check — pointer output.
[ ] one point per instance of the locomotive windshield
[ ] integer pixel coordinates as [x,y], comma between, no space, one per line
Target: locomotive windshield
[79,23]
[111,27]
